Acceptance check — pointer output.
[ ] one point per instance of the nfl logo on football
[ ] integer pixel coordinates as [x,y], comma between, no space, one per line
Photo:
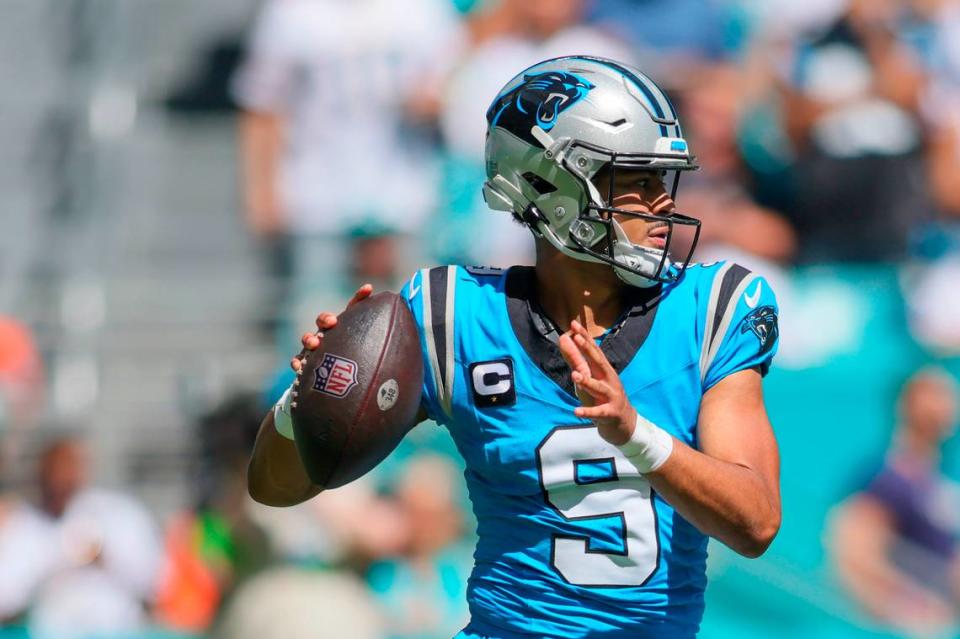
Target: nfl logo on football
[336,375]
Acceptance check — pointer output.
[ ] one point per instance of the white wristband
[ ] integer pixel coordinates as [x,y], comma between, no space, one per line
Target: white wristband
[648,447]
[281,414]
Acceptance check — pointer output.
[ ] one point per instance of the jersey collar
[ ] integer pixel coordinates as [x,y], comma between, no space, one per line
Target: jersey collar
[539,335]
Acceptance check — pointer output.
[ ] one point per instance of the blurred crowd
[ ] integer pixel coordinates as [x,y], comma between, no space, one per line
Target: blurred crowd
[827,132]
[828,135]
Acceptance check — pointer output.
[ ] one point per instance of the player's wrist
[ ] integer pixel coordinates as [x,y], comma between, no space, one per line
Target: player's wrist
[282,420]
[648,447]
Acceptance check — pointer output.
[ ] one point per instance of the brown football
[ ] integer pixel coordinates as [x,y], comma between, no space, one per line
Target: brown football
[359,393]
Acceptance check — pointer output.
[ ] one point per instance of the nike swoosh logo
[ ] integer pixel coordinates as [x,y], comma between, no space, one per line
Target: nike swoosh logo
[414,291]
[752,300]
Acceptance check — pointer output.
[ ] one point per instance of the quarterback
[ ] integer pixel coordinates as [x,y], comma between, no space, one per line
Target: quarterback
[608,400]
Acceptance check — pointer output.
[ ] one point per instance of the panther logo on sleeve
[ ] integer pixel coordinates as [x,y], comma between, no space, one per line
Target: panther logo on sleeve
[763,323]
[538,100]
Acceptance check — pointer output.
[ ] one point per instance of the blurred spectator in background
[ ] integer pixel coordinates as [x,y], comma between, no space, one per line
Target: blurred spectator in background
[734,226]
[337,96]
[291,603]
[21,371]
[939,22]
[851,98]
[895,542]
[106,557]
[933,304]
[931,290]
[349,527]
[215,546]
[28,541]
[27,536]
[408,540]
[423,590]
[21,386]
[670,37]
[511,34]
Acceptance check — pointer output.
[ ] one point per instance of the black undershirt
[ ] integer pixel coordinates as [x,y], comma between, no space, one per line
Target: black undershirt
[539,335]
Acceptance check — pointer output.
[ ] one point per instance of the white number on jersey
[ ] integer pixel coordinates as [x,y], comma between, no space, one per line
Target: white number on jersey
[624,493]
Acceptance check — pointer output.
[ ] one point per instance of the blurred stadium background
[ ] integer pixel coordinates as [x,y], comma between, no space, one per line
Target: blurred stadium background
[185,185]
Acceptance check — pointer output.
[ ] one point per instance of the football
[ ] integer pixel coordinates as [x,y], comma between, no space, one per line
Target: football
[358,394]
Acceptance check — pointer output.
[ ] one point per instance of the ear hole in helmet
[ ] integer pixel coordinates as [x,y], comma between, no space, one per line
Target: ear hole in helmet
[531,216]
[540,185]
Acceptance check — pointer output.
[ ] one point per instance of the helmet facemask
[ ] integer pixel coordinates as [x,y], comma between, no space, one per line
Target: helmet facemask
[598,234]
[594,234]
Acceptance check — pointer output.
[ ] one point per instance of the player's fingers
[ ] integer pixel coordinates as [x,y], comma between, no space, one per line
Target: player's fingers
[593,354]
[326,320]
[311,341]
[572,355]
[362,293]
[577,327]
[583,340]
[597,389]
[296,364]
[586,399]
[601,411]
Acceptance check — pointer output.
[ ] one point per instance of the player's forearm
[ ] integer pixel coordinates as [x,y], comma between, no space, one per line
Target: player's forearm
[727,501]
[275,475]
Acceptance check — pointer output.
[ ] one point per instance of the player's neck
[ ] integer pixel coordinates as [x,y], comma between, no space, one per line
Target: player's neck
[569,289]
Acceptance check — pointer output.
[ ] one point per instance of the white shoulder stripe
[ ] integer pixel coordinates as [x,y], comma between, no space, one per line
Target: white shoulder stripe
[711,313]
[446,400]
[725,322]
[438,327]
[428,332]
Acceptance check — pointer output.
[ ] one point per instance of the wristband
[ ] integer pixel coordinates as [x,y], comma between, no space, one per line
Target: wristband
[281,414]
[648,447]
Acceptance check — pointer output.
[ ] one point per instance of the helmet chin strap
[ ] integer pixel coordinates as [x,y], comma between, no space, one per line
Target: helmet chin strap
[637,281]
[637,257]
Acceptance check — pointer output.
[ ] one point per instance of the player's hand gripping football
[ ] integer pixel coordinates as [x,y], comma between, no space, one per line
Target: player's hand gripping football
[325,321]
[598,386]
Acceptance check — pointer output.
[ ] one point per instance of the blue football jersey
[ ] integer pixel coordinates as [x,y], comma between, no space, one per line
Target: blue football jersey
[572,540]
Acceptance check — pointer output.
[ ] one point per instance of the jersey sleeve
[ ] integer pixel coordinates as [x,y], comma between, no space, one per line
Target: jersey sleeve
[741,325]
[430,296]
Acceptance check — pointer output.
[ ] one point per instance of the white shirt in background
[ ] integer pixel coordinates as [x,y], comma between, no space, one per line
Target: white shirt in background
[341,73]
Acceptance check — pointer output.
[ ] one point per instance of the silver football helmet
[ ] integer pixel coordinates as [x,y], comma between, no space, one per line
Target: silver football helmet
[550,132]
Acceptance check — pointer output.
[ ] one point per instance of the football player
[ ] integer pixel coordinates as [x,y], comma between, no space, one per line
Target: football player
[608,400]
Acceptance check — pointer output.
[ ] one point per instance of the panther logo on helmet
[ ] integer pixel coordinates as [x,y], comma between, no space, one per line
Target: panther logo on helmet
[539,99]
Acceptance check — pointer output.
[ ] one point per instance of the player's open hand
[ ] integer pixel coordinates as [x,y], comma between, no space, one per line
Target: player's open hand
[325,321]
[598,386]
